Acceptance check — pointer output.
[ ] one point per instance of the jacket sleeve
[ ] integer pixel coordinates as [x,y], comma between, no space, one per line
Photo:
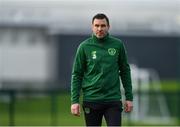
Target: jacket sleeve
[77,75]
[125,73]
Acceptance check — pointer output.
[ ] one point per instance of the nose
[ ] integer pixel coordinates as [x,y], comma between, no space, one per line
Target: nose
[99,28]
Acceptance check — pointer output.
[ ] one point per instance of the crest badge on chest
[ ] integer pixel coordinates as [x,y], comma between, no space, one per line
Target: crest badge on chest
[112,51]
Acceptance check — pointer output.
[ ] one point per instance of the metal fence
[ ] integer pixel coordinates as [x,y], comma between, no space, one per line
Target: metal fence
[12,95]
[172,99]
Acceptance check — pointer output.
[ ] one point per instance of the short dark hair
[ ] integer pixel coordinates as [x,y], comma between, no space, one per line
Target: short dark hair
[100,16]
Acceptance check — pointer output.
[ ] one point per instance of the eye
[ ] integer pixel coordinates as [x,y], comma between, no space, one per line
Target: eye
[96,25]
[103,25]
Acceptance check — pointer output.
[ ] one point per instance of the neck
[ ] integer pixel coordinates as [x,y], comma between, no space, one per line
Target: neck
[100,39]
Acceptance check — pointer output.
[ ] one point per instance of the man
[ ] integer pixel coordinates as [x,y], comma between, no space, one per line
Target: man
[99,62]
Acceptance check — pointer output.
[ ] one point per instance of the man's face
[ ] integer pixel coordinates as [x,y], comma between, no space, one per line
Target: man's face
[100,27]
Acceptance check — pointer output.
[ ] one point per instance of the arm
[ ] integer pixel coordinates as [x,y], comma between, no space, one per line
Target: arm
[76,80]
[125,75]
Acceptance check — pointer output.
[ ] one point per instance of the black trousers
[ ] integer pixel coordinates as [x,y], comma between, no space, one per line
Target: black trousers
[94,112]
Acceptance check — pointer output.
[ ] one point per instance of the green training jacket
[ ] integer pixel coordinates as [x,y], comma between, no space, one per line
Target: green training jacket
[96,70]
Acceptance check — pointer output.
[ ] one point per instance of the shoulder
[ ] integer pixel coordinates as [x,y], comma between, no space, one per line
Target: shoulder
[83,45]
[116,40]
[85,42]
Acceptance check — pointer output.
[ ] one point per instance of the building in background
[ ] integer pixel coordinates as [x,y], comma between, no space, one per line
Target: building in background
[38,39]
[25,57]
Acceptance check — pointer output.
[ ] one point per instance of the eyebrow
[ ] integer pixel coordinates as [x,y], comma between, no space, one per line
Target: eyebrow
[100,25]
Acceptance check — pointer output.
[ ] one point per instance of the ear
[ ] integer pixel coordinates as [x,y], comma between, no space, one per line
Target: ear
[108,27]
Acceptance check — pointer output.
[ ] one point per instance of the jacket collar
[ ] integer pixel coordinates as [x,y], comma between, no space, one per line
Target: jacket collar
[100,40]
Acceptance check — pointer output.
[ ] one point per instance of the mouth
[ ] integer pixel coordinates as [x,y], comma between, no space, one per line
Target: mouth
[100,34]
